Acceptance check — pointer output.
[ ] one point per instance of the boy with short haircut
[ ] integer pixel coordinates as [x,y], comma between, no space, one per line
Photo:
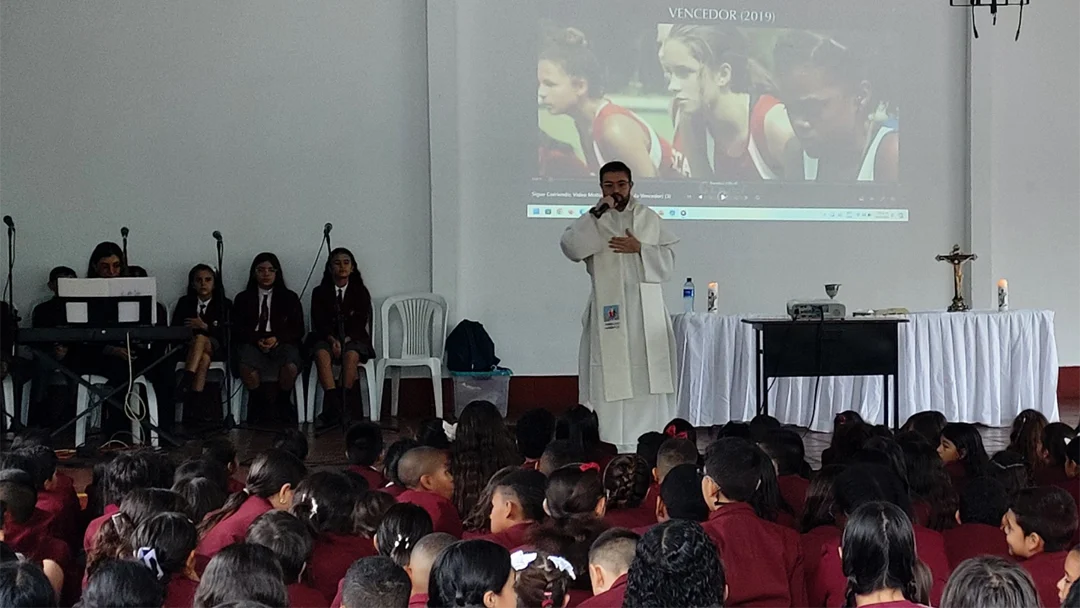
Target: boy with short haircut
[420,562]
[363,448]
[610,557]
[291,541]
[425,471]
[375,581]
[517,504]
[1038,528]
[983,504]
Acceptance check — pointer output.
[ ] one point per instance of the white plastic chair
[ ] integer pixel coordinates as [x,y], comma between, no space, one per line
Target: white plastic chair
[9,403]
[218,369]
[315,390]
[423,325]
[82,403]
[239,406]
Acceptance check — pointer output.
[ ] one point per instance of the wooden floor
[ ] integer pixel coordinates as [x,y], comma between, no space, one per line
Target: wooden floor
[328,450]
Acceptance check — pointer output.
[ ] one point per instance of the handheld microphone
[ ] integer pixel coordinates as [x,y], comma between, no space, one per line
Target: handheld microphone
[9,222]
[598,211]
[217,235]
[327,228]
[124,232]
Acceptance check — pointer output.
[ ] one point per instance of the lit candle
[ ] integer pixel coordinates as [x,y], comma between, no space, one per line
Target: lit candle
[1003,295]
[711,302]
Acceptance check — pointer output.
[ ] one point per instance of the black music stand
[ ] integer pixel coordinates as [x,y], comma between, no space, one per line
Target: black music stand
[861,346]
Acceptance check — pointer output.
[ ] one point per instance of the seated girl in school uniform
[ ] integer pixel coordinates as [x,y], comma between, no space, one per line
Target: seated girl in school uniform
[165,543]
[989,581]
[962,451]
[626,483]
[878,557]
[268,325]
[205,309]
[341,329]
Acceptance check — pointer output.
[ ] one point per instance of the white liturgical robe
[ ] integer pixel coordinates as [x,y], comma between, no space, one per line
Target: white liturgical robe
[626,362]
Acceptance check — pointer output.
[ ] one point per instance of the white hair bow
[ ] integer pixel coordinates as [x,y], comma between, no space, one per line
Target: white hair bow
[520,560]
[148,557]
[314,507]
[450,430]
[562,564]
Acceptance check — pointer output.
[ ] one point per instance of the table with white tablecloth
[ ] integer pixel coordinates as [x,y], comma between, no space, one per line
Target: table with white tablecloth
[981,366]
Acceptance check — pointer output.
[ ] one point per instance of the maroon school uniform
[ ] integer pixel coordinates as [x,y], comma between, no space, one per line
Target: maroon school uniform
[233,529]
[972,540]
[61,520]
[612,598]
[40,523]
[331,556]
[651,497]
[793,490]
[444,515]
[1049,475]
[829,586]
[630,518]
[896,604]
[510,538]
[1046,569]
[374,478]
[920,513]
[234,485]
[37,547]
[180,592]
[957,474]
[393,489]
[418,601]
[95,524]
[812,542]
[302,596]
[577,597]
[763,560]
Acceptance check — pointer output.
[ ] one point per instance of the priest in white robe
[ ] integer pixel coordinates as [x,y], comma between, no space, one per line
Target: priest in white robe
[626,363]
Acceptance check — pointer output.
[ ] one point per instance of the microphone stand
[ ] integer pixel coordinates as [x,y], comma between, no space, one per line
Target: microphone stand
[228,421]
[15,426]
[339,324]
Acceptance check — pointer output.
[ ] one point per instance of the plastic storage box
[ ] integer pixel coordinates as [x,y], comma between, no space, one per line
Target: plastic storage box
[493,386]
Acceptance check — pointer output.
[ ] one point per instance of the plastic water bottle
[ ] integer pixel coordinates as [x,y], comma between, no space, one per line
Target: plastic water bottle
[688,295]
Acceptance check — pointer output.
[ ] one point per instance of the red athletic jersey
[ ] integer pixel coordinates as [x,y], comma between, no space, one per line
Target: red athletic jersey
[726,168]
[661,158]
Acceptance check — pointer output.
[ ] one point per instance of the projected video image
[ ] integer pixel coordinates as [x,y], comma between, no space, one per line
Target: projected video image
[716,103]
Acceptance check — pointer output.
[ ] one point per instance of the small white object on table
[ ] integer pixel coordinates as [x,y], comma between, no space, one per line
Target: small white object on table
[982,367]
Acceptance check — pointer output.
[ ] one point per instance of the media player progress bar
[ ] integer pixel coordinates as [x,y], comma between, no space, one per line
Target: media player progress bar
[781,214]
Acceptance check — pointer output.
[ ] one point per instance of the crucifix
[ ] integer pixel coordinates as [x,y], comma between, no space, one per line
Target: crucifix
[957,260]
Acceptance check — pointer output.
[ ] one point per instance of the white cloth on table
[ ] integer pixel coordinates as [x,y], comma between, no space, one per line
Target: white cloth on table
[623,420]
[982,367]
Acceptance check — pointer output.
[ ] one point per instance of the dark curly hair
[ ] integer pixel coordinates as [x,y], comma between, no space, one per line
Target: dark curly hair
[541,584]
[675,564]
[626,481]
[481,447]
[572,495]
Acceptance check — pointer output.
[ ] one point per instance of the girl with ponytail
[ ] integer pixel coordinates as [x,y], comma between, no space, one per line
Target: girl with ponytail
[113,539]
[165,544]
[626,483]
[472,574]
[543,580]
[576,504]
[878,557]
[270,484]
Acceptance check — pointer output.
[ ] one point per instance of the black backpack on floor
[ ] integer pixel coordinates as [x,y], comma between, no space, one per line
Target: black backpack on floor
[469,349]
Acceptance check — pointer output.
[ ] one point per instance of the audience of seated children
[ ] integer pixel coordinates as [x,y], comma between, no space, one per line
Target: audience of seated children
[113,539]
[989,581]
[680,497]
[291,541]
[648,447]
[420,562]
[204,309]
[1071,574]
[1039,527]
[122,474]
[517,505]
[340,303]
[363,448]
[481,446]
[472,573]
[928,424]
[763,559]
[271,482]
[222,451]
[848,434]
[425,471]
[17,504]
[541,580]
[933,499]
[477,522]
[375,581]
[242,572]
[391,460]
[581,426]
[575,504]
[47,518]
[1055,438]
[23,583]
[961,449]
[534,431]
[121,583]
[785,448]
[403,525]
[370,508]
[677,564]
[982,505]
[878,558]
[1025,439]
[60,489]
[326,501]
[203,495]
[610,557]
[165,543]
[819,523]
[626,484]
[268,325]
[558,454]
[855,486]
